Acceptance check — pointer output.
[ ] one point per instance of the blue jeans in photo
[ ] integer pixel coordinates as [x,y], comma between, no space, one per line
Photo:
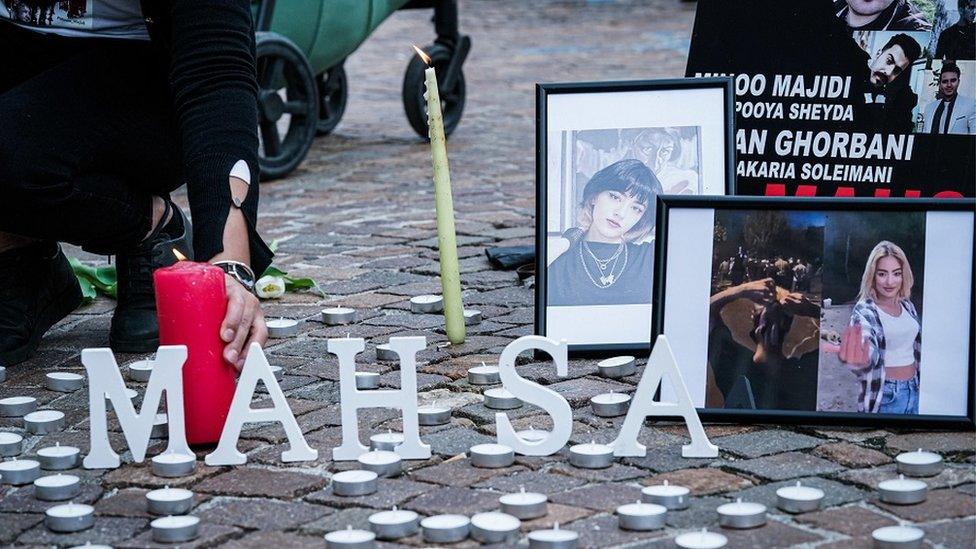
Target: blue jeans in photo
[899,397]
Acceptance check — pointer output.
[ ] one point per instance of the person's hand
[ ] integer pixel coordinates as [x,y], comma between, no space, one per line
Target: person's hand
[853,349]
[758,291]
[796,303]
[243,324]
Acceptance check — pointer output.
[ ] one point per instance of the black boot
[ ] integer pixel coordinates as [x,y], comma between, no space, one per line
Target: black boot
[37,289]
[134,325]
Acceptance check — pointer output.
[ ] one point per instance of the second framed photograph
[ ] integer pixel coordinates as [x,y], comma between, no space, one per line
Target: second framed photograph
[606,151]
[849,311]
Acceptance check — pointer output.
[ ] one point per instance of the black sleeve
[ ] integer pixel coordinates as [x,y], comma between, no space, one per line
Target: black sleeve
[214,87]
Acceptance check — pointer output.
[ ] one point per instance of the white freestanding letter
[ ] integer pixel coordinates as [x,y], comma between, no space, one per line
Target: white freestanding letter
[256,368]
[104,379]
[405,398]
[662,362]
[529,391]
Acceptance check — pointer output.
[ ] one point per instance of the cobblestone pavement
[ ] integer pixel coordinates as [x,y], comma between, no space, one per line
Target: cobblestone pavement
[357,216]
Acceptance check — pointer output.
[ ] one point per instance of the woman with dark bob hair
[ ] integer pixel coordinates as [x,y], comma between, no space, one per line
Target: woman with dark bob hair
[608,261]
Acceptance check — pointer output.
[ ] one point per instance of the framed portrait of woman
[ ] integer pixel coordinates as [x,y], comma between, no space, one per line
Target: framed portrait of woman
[846,311]
[606,151]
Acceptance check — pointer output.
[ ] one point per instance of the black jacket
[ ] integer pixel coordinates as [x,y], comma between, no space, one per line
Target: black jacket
[210,51]
[901,15]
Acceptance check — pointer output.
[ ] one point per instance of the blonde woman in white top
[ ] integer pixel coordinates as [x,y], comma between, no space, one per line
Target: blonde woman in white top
[883,343]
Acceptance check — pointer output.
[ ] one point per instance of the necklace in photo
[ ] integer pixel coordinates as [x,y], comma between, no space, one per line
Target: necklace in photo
[606,280]
[602,263]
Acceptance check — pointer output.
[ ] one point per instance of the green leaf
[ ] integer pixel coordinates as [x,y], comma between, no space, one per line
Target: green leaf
[94,280]
[87,290]
[273,271]
[274,245]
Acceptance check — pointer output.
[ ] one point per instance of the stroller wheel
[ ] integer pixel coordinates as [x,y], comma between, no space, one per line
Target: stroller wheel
[288,106]
[452,100]
[333,92]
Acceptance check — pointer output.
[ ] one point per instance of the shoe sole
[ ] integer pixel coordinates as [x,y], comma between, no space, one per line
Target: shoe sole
[59,308]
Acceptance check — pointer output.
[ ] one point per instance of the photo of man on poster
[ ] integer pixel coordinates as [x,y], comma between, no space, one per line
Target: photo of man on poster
[951,112]
[889,94]
[900,15]
[958,41]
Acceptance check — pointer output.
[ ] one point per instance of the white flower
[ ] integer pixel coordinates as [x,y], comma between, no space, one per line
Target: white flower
[270,287]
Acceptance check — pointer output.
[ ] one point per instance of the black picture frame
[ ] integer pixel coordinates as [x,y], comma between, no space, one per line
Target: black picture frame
[668,203]
[543,92]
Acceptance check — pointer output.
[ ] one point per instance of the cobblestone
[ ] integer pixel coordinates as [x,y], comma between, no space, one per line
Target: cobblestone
[850,520]
[785,466]
[247,481]
[762,443]
[852,455]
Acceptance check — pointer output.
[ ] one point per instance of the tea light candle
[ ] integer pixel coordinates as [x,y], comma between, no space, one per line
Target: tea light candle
[43,422]
[385,441]
[591,456]
[742,514]
[524,505]
[17,406]
[484,375]
[799,498]
[902,491]
[384,463]
[69,517]
[610,404]
[671,497]
[140,370]
[491,456]
[58,458]
[433,415]
[169,501]
[175,529]
[472,317]
[701,540]
[532,435]
[173,465]
[386,353]
[898,537]
[394,524]
[57,487]
[367,380]
[350,539]
[354,483]
[494,527]
[919,464]
[160,426]
[616,367]
[11,444]
[19,471]
[64,382]
[640,517]
[555,538]
[445,528]
[130,393]
[282,327]
[500,399]
[336,316]
[426,304]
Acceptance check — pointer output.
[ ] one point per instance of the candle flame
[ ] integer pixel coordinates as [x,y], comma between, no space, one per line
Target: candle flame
[423,56]
[179,256]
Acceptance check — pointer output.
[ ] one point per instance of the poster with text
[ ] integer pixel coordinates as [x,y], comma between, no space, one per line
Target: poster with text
[866,98]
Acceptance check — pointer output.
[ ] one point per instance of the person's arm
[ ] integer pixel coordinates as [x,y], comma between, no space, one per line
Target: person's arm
[214,87]
[757,291]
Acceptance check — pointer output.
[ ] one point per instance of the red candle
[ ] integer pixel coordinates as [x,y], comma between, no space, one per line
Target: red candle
[191,301]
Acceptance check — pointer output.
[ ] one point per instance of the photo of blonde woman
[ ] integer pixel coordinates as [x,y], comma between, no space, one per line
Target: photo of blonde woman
[883,341]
